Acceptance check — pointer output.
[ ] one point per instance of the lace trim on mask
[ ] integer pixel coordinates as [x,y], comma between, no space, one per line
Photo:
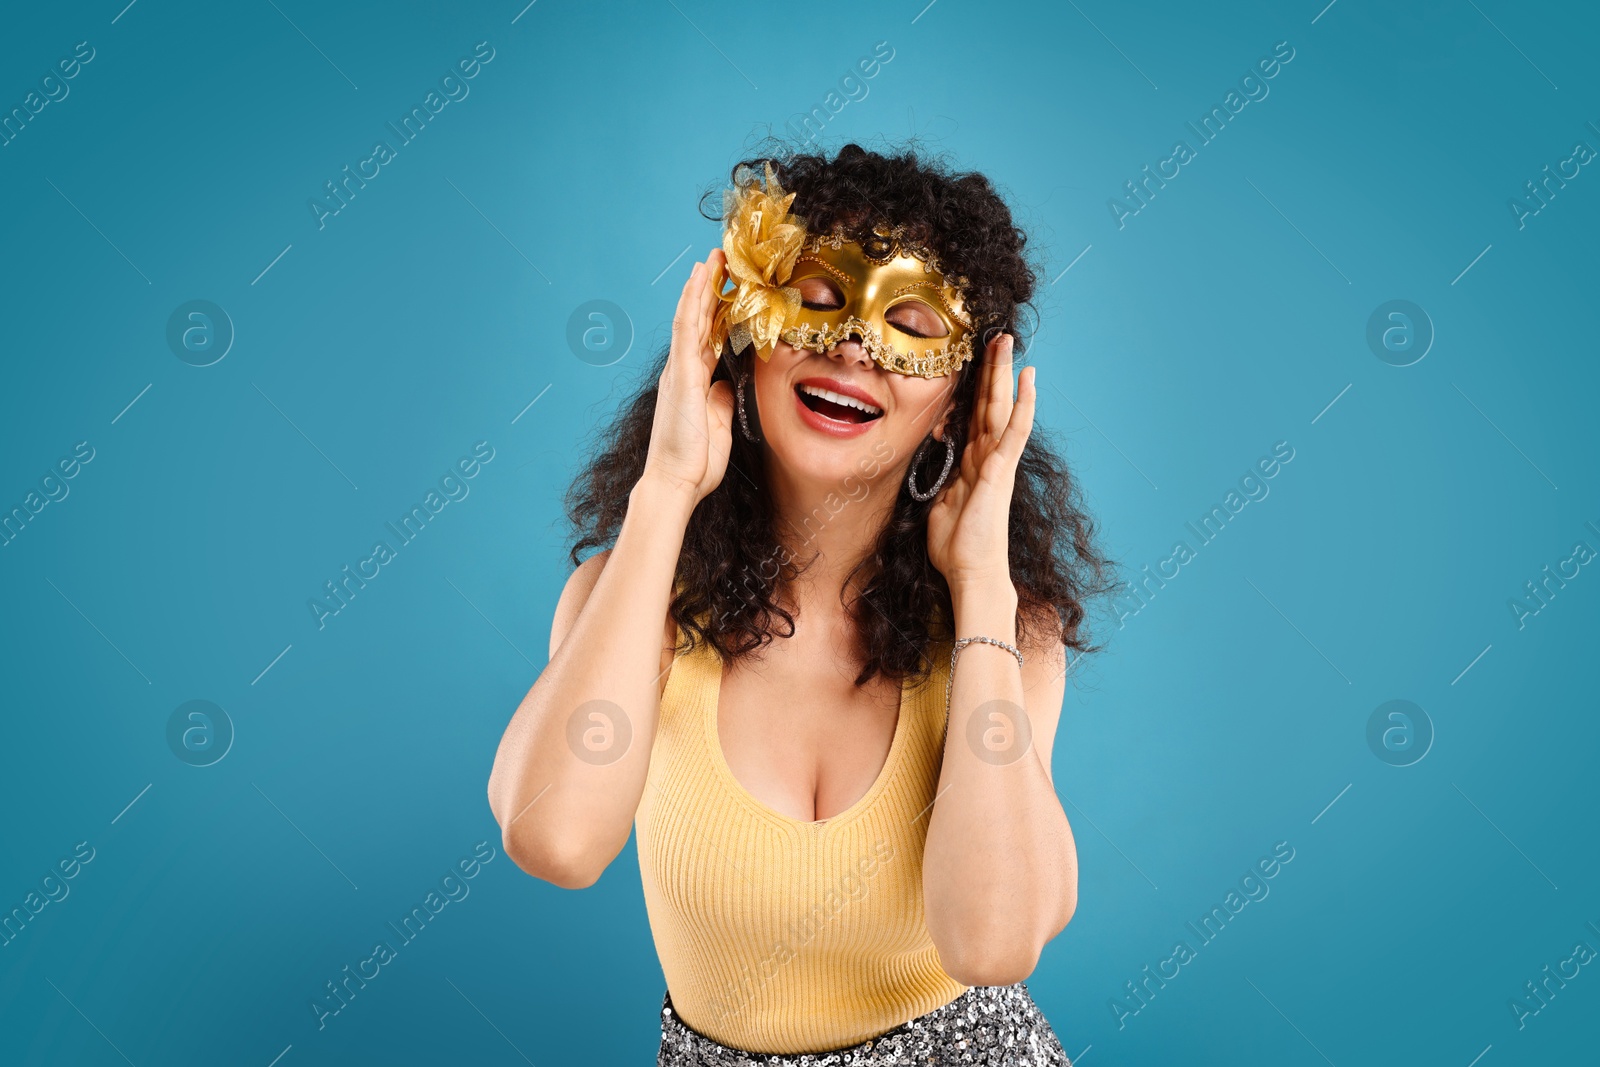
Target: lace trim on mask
[932,363]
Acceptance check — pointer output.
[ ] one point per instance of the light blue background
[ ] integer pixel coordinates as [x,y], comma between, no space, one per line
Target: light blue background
[1226,716]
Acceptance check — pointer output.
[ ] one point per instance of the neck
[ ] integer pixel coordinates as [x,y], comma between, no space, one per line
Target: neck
[830,526]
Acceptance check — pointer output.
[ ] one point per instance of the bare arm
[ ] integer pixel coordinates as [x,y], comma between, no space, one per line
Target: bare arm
[1000,867]
[571,766]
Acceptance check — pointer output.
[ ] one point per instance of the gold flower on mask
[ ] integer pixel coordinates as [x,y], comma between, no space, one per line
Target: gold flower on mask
[761,240]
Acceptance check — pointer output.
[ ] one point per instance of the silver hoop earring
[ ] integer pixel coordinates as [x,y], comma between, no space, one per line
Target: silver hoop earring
[738,395]
[911,473]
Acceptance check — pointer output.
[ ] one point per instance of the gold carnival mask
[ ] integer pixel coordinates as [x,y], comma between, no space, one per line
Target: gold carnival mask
[768,249]
[874,279]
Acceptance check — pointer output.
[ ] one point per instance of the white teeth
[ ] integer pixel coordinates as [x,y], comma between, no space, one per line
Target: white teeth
[847,401]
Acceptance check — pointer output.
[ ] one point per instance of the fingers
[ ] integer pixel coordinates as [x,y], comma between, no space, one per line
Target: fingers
[719,401]
[1020,420]
[981,403]
[691,322]
[715,265]
[681,316]
[1013,434]
[719,411]
[685,318]
[999,405]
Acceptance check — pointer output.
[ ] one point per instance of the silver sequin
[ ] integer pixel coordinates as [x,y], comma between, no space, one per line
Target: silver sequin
[997,1026]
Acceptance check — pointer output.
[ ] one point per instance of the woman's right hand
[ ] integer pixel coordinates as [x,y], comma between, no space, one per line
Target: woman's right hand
[693,428]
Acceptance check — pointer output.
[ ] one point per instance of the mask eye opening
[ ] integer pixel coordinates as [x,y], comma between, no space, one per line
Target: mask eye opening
[818,292]
[915,325]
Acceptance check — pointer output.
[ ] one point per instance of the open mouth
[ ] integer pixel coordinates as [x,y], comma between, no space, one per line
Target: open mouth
[836,406]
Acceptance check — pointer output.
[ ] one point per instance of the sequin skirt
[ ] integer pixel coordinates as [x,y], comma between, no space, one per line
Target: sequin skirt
[997,1026]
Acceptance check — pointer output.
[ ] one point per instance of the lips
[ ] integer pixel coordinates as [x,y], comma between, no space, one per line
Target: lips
[837,401]
[826,423]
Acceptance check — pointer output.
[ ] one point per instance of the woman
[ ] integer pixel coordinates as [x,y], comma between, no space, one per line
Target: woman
[827,499]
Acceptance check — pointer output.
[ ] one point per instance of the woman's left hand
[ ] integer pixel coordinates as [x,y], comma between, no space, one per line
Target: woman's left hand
[968,527]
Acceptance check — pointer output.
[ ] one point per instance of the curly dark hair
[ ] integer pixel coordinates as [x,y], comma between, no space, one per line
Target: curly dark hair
[904,605]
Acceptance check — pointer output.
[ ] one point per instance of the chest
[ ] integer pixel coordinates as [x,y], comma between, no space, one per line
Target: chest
[799,736]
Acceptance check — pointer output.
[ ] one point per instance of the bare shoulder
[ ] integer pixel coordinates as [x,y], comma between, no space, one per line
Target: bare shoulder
[580,585]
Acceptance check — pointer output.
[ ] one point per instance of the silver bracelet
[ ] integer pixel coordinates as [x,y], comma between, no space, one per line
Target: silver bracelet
[955,650]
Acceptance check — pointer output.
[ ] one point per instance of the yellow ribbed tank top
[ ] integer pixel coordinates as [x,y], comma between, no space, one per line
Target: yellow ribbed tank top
[776,934]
